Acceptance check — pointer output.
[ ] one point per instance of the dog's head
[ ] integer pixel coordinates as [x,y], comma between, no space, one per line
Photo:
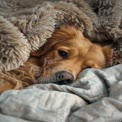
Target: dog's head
[67,53]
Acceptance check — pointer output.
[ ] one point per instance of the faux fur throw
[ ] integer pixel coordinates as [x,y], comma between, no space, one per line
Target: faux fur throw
[25,25]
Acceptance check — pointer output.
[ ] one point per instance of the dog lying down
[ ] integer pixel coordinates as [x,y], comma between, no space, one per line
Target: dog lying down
[60,60]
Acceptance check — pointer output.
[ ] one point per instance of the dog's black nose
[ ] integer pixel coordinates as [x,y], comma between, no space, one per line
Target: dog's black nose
[63,78]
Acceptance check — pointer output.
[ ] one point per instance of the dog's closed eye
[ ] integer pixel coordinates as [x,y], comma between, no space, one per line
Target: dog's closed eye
[63,54]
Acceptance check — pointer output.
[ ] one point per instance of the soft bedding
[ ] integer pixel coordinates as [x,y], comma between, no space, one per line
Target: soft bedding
[25,25]
[95,97]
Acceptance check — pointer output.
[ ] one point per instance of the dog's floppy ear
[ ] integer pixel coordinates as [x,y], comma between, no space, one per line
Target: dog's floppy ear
[107,52]
[61,34]
[37,53]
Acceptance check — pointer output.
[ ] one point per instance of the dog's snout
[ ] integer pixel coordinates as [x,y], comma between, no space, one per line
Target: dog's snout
[64,77]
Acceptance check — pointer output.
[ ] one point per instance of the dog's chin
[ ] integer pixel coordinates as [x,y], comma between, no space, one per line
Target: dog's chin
[57,78]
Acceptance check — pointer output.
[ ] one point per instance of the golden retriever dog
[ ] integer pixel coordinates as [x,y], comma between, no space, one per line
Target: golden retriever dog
[67,53]
[59,61]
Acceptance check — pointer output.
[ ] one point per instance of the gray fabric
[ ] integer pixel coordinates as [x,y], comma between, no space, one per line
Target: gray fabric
[95,97]
[25,25]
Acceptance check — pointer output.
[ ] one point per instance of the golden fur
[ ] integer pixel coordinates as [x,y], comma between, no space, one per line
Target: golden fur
[67,50]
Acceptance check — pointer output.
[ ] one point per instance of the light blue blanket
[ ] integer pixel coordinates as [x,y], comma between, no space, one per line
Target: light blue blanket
[95,97]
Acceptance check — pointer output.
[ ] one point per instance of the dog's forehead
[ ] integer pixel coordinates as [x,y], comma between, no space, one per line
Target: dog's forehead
[71,43]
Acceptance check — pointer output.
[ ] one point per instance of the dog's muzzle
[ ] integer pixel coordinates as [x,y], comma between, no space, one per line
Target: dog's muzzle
[60,78]
[63,78]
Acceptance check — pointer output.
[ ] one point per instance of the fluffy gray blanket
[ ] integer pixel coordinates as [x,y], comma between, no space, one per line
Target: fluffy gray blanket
[25,25]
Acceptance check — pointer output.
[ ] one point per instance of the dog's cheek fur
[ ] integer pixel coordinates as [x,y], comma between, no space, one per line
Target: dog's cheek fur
[107,52]
[95,58]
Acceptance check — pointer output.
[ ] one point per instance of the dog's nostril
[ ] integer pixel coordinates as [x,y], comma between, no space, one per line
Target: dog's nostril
[63,78]
[59,76]
[63,75]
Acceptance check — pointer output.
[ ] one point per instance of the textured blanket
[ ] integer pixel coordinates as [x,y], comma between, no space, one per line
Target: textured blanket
[95,97]
[25,25]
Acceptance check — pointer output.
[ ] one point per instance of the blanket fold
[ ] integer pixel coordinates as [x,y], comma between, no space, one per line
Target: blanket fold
[90,98]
